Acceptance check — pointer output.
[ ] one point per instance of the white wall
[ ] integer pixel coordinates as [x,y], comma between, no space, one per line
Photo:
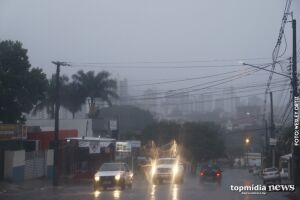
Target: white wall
[19,158]
[8,164]
[13,159]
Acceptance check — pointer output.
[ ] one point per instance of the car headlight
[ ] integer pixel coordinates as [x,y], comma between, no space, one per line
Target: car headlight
[153,170]
[97,178]
[175,169]
[117,177]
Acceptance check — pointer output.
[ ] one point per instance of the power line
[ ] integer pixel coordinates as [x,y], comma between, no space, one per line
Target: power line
[232,78]
[168,62]
[228,79]
[183,80]
[157,66]
[216,89]
[187,103]
[275,53]
[213,92]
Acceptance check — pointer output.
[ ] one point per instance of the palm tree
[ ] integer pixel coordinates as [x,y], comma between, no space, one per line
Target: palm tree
[73,98]
[49,100]
[96,86]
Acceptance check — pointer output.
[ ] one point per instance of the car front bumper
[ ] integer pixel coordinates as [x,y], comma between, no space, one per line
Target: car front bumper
[106,182]
[271,177]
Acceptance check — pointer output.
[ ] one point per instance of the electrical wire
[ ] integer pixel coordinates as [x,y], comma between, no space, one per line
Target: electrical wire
[225,80]
[275,53]
[203,101]
[165,62]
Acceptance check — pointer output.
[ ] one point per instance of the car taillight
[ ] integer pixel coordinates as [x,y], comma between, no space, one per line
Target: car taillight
[201,173]
[218,174]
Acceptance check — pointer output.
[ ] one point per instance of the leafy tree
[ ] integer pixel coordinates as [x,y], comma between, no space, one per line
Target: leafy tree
[131,120]
[50,96]
[203,141]
[21,86]
[161,132]
[96,86]
[72,98]
[200,141]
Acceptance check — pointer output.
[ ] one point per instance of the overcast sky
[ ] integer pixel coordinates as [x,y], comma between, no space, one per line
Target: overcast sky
[131,32]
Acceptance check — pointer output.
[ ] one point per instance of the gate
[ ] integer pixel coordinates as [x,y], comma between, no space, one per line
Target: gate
[35,164]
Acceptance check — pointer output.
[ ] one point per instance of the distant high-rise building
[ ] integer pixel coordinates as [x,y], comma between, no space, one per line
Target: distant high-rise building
[123,92]
[255,101]
[219,104]
[150,101]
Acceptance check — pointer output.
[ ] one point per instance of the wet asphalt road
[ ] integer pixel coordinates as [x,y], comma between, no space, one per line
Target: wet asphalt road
[191,189]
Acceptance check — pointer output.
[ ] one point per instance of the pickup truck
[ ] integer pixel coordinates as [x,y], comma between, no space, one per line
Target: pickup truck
[169,169]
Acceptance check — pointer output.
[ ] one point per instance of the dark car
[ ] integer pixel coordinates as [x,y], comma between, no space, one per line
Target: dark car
[211,173]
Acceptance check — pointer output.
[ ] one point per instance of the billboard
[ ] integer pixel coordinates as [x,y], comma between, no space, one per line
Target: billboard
[123,147]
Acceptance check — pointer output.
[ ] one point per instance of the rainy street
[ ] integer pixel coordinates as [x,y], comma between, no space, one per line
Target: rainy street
[190,189]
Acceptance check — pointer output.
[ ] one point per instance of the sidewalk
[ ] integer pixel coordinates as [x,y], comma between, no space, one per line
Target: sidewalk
[295,195]
[36,184]
[40,184]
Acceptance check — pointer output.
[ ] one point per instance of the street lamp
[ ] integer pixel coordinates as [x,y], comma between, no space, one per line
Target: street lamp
[294,83]
[247,142]
[264,68]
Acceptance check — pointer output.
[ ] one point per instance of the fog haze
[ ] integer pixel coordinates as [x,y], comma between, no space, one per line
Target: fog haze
[126,32]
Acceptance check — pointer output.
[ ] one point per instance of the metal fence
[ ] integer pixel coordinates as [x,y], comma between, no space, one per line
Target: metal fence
[35,164]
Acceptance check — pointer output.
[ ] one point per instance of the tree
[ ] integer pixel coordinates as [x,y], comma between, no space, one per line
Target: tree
[161,132]
[203,141]
[200,141]
[50,95]
[72,98]
[96,86]
[21,86]
[131,120]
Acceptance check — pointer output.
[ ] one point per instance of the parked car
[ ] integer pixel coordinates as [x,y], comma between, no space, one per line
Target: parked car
[270,175]
[284,174]
[210,173]
[113,175]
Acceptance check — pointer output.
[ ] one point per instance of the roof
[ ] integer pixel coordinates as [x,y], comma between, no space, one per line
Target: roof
[286,157]
[101,139]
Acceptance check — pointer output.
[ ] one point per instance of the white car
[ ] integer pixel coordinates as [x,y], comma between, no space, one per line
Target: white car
[167,169]
[270,175]
[113,175]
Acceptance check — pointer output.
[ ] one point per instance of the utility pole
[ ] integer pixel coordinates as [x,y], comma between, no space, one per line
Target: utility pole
[272,134]
[296,147]
[266,145]
[56,126]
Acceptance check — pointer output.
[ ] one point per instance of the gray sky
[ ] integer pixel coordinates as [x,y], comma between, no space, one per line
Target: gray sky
[129,31]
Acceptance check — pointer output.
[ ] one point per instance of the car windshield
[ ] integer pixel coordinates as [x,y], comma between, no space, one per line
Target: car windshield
[211,167]
[270,169]
[166,161]
[112,167]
